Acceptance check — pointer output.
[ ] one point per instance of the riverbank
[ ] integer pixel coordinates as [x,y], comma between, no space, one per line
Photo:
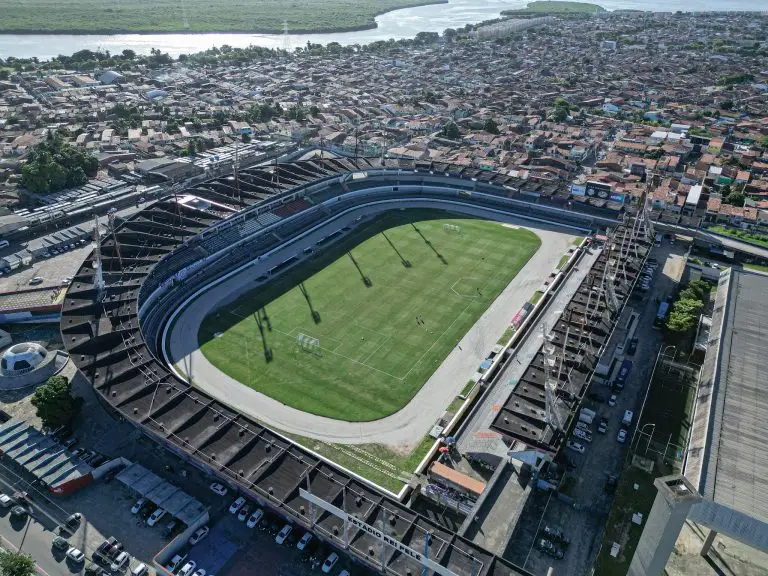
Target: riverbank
[85,17]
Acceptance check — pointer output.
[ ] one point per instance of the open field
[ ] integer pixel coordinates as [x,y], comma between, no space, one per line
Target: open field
[380,343]
[93,16]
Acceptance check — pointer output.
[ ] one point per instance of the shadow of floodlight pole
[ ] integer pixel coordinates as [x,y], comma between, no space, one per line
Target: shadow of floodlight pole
[428,243]
[366,280]
[315,313]
[267,350]
[406,263]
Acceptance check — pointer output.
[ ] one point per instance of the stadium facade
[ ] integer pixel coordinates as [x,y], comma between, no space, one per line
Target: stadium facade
[118,303]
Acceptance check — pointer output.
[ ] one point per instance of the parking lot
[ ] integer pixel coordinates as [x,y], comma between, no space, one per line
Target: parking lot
[581,515]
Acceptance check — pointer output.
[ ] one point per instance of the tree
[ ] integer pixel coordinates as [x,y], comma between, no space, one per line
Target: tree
[451,131]
[490,126]
[16,564]
[191,148]
[129,54]
[245,138]
[55,404]
[764,142]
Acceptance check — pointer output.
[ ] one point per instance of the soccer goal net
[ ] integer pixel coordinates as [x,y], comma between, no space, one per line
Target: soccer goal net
[452,228]
[308,343]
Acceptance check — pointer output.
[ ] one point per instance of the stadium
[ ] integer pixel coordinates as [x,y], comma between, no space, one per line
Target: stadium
[279,271]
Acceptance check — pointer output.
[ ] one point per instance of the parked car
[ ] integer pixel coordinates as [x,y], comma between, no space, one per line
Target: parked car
[582,435]
[120,562]
[69,442]
[156,516]
[175,562]
[284,533]
[236,505]
[6,501]
[243,513]
[138,505]
[199,572]
[603,426]
[140,570]
[19,512]
[612,400]
[255,518]
[577,446]
[60,543]
[305,540]
[188,568]
[621,437]
[75,555]
[632,348]
[199,534]
[36,280]
[219,489]
[547,547]
[330,562]
[555,534]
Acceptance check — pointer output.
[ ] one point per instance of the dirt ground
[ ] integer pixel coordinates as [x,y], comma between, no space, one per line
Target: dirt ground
[726,558]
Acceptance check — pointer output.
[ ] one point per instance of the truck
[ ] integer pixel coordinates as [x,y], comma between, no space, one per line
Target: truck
[621,377]
[661,315]
[627,420]
[587,416]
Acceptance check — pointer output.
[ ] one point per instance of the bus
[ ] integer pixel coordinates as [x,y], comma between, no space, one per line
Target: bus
[661,315]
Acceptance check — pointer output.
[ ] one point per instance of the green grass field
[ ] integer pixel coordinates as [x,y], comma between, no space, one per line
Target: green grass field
[374,354]
[93,16]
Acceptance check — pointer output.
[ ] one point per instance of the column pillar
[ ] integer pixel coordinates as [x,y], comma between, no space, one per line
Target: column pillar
[708,542]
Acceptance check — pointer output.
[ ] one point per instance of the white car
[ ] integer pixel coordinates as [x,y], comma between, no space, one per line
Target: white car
[119,563]
[188,568]
[199,534]
[621,437]
[236,505]
[305,540]
[283,534]
[140,570]
[255,518]
[612,400]
[200,572]
[344,573]
[218,488]
[6,501]
[156,516]
[243,514]
[139,504]
[75,555]
[330,562]
[577,446]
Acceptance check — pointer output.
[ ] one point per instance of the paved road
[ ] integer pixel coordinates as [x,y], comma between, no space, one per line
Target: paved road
[584,521]
[403,429]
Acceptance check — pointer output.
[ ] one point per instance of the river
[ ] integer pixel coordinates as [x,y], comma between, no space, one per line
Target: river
[405,23]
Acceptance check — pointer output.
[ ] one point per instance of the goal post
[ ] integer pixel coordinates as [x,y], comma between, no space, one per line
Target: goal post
[308,343]
[453,228]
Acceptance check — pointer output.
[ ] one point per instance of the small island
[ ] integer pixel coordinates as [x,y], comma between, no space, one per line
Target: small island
[554,8]
[196,16]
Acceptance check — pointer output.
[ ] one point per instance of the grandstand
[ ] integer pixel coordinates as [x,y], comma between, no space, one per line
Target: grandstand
[163,253]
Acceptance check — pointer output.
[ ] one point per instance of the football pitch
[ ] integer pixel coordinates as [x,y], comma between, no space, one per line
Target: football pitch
[384,314]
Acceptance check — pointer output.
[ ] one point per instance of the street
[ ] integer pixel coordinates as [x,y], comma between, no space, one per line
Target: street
[583,519]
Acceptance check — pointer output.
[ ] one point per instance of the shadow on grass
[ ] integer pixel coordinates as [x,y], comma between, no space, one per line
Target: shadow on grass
[254,300]
[429,243]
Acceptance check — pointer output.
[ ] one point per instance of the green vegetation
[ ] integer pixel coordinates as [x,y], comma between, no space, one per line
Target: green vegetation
[686,310]
[55,404]
[735,79]
[455,405]
[757,268]
[508,333]
[619,526]
[379,342]
[451,131]
[468,387]
[578,240]
[376,462]
[16,564]
[563,260]
[54,165]
[751,237]
[544,7]
[536,297]
[94,17]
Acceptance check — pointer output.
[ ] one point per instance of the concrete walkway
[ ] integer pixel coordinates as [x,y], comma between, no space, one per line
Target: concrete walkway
[402,430]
